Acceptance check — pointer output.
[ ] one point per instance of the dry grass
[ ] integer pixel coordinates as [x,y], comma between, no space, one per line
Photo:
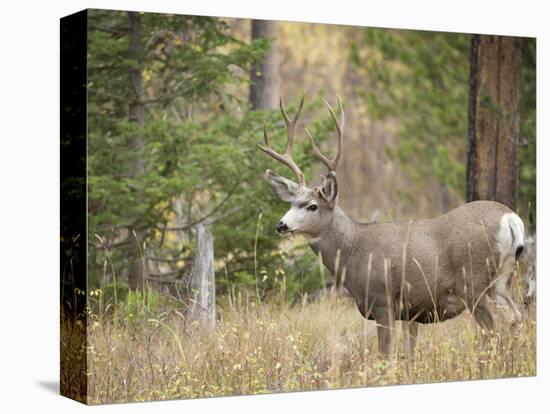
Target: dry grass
[276,348]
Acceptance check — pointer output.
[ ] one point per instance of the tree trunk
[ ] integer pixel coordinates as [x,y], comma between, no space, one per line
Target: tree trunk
[136,114]
[264,76]
[494,113]
[203,285]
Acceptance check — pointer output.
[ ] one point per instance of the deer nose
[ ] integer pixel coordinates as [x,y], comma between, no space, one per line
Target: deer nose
[281,227]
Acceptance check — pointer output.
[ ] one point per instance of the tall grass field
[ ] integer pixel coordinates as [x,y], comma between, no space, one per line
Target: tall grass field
[144,349]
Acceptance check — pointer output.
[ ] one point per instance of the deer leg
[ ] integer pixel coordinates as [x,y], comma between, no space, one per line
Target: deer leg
[503,298]
[385,323]
[410,330]
[483,316]
[508,309]
[385,339]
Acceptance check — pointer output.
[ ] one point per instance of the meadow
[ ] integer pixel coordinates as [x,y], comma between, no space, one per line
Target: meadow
[146,350]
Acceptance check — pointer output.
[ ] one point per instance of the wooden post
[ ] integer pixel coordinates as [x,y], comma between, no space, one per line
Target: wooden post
[203,284]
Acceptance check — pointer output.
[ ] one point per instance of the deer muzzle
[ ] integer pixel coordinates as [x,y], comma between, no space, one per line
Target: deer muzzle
[281,227]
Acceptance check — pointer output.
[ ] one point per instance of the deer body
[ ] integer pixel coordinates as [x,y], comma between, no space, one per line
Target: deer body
[420,271]
[446,266]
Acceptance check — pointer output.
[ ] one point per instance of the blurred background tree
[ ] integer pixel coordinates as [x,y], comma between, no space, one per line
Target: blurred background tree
[264,76]
[421,81]
[494,119]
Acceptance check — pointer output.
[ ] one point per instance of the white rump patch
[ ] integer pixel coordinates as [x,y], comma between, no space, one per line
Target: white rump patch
[508,238]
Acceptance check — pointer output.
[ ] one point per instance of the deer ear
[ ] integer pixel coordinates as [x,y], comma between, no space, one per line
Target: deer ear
[284,188]
[329,190]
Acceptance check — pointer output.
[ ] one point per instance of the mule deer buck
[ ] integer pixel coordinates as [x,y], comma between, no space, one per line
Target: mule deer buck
[421,271]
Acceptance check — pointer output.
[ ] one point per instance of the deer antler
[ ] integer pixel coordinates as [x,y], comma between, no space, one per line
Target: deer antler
[332,164]
[286,158]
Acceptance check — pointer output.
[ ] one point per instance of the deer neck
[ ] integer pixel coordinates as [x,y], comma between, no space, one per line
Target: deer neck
[335,243]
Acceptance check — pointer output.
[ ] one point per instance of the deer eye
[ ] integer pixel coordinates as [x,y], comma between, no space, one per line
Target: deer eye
[312,207]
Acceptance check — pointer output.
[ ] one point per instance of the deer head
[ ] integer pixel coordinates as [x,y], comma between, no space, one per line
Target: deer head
[311,208]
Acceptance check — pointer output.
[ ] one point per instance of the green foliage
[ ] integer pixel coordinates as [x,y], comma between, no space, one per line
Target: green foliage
[139,306]
[285,276]
[528,149]
[420,79]
[200,158]
[119,290]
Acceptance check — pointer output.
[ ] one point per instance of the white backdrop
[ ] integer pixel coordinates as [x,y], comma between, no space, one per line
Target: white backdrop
[29,204]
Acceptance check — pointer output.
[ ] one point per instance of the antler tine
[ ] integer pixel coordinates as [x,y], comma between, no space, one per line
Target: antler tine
[333,163]
[286,158]
[290,123]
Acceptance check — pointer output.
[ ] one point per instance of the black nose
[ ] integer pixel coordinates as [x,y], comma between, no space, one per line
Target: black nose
[281,227]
